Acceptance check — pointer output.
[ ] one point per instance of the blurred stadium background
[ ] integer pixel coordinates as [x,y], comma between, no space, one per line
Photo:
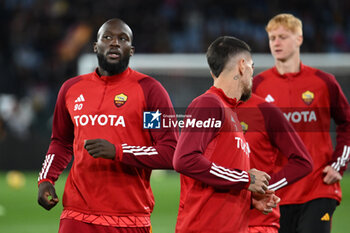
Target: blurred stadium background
[45,42]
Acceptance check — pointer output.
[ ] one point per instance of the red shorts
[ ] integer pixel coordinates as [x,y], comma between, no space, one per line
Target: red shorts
[263,229]
[74,226]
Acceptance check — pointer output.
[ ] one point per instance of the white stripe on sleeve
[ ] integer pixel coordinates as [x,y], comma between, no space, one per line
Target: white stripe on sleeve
[341,161]
[138,150]
[46,166]
[228,174]
[279,184]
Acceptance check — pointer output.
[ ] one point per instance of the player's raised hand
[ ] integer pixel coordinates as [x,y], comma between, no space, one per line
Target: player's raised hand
[46,190]
[259,181]
[100,148]
[265,202]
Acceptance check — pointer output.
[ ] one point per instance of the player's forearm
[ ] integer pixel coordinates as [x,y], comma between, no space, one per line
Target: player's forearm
[56,160]
[152,157]
[189,160]
[341,158]
[341,154]
[340,112]
[296,168]
[198,167]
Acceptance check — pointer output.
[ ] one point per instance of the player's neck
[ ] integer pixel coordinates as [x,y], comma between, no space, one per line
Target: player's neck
[103,72]
[233,92]
[291,65]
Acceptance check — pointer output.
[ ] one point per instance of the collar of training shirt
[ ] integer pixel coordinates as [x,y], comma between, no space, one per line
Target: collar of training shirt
[113,78]
[289,75]
[231,102]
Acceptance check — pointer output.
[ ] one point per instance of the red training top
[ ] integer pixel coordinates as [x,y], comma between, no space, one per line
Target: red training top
[309,99]
[103,191]
[213,157]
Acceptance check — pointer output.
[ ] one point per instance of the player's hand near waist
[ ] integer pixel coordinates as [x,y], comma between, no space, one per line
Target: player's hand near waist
[259,181]
[265,202]
[331,176]
[100,148]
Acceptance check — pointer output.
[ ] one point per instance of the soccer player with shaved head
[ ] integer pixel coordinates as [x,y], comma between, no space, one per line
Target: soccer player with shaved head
[98,118]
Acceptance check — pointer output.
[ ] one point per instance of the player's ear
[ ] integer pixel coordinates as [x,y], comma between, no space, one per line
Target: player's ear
[95,47]
[132,51]
[300,40]
[241,66]
[213,76]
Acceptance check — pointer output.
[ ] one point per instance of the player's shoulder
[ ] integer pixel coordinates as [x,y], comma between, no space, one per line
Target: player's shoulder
[264,74]
[263,77]
[327,77]
[152,89]
[207,100]
[205,105]
[138,76]
[73,80]
[145,80]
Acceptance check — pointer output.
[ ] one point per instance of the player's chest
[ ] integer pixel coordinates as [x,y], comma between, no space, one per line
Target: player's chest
[104,104]
[296,93]
[302,101]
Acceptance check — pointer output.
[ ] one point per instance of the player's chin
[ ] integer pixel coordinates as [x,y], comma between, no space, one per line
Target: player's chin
[280,56]
[113,61]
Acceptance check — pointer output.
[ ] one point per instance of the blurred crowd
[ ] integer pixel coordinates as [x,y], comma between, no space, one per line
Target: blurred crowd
[41,40]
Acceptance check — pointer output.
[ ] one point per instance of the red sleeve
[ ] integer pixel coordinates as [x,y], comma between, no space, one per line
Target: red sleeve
[189,159]
[340,112]
[283,136]
[61,147]
[160,154]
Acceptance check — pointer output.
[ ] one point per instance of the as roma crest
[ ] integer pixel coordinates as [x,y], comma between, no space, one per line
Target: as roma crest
[244,126]
[120,99]
[308,97]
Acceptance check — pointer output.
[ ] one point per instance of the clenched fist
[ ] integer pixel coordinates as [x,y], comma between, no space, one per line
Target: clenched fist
[100,148]
[259,181]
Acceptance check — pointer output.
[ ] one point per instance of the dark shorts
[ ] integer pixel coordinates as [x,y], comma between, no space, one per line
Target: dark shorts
[311,217]
[74,226]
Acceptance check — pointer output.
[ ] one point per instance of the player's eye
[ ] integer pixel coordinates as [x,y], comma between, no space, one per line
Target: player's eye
[123,38]
[107,37]
[283,37]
